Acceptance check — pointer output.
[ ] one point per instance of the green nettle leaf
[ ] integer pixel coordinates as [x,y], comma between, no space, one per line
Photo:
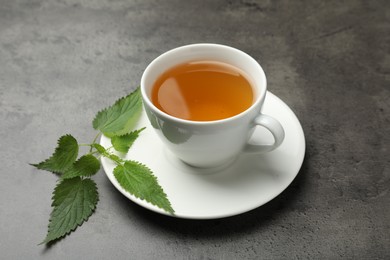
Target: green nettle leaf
[120,118]
[63,157]
[86,166]
[139,180]
[74,200]
[124,142]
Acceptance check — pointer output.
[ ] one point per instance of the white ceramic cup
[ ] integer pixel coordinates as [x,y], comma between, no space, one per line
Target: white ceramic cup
[210,143]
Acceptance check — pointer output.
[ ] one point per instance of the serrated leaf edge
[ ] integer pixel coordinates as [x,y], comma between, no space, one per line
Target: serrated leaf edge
[119,132]
[79,223]
[170,210]
[136,132]
[37,165]
[64,175]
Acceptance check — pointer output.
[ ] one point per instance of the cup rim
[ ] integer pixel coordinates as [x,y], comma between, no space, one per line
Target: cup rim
[146,98]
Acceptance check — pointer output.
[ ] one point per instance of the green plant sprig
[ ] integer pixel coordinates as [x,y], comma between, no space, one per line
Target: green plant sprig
[75,196]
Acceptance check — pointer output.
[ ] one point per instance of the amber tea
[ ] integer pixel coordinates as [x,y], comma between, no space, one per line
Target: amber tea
[203,91]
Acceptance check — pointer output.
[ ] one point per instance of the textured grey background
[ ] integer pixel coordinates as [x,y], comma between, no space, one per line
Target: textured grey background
[62,61]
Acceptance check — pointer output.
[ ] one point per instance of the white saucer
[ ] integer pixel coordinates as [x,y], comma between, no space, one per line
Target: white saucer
[249,182]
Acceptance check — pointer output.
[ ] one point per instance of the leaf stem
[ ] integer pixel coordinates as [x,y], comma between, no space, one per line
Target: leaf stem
[94,141]
[113,157]
[96,137]
[84,144]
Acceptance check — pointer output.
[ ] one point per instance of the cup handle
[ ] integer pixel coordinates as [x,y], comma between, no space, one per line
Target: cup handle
[276,130]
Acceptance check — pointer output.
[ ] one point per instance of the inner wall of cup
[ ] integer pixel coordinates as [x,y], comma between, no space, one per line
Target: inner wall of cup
[206,52]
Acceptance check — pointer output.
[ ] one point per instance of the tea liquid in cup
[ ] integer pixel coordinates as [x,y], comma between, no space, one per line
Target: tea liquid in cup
[203,91]
[204,101]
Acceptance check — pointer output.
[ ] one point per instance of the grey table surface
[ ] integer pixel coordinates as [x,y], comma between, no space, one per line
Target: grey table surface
[62,61]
